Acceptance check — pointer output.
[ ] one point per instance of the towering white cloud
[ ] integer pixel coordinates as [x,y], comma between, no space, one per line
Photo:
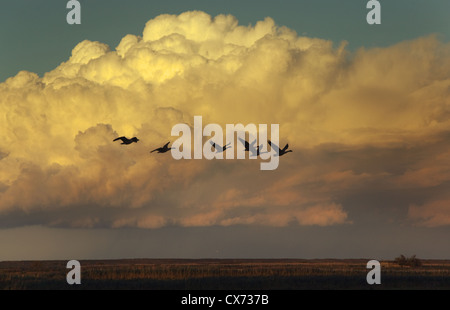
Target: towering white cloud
[59,166]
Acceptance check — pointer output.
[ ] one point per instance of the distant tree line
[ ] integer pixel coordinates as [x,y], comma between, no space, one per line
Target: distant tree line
[412,261]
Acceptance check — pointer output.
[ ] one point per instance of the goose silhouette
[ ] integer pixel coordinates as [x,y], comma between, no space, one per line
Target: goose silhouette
[218,148]
[126,140]
[250,147]
[278,151]
[163,149]
[258,151]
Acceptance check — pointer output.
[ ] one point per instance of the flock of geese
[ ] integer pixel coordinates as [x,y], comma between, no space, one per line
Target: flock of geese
[249,147]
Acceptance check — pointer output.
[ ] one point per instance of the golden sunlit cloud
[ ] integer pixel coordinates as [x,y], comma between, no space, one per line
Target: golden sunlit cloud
[59,166]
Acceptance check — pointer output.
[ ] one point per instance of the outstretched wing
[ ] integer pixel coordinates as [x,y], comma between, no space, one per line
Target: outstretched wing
[120,138]
[166,145]
[154,150]
[286,147]
[274,147]
[245,143]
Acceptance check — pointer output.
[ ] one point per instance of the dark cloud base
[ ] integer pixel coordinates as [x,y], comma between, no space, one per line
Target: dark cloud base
[356,241]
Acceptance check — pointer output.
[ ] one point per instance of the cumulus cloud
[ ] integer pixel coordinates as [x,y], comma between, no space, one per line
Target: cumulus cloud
[341,112]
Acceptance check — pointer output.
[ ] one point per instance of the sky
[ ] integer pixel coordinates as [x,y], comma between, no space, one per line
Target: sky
[364,108]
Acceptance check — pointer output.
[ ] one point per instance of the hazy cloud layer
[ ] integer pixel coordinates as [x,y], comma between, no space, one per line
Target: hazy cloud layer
[377,119]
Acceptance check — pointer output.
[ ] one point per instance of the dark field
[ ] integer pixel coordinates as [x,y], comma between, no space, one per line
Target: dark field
[226,274]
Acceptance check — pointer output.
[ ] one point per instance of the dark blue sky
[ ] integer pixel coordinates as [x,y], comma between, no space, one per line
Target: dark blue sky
[36,37]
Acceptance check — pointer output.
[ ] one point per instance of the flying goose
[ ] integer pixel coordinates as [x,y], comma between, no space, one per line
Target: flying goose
[126,140]
[163,149]
[219,148]
[250,147]
[258,150]
[280,152]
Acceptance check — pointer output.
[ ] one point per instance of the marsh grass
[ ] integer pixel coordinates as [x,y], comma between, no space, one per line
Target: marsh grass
[157,274]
